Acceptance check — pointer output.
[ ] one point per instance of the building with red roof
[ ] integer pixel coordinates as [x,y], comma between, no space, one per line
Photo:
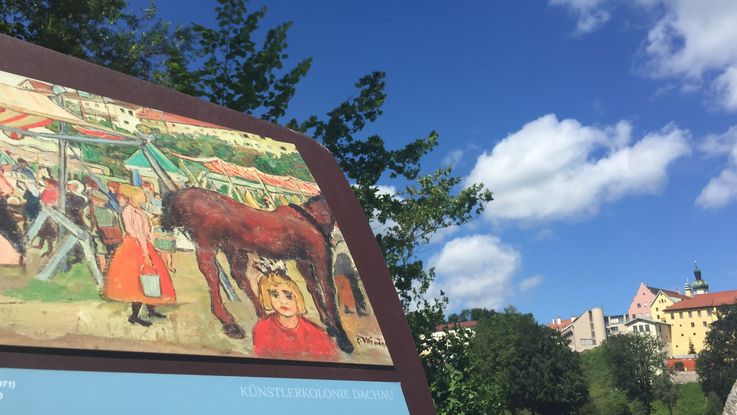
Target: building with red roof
[690,319]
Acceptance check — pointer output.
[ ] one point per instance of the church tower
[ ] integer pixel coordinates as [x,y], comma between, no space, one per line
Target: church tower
[699,286]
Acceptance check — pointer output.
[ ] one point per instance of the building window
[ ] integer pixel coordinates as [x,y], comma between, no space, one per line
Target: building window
[693,324]
[638,305]
[704,323]
[698,313]
[708,311]
[690,314]
[647,329]
[680,314]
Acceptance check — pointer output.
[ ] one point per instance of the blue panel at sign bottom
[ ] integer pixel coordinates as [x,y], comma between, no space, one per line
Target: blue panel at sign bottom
[45,392]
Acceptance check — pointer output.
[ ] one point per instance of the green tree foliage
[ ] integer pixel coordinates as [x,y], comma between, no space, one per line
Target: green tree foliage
[236,72]
[470,314]
[606,399]
[287,163]
[99,31]
[666,391]
[531,365]
[455,386]
[713,404]
[717,362]
[635,361]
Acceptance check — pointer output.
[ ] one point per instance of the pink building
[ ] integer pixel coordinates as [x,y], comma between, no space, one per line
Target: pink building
[643,299]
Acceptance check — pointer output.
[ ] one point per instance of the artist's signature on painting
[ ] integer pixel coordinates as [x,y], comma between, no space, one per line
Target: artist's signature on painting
[6,385]
[370,340]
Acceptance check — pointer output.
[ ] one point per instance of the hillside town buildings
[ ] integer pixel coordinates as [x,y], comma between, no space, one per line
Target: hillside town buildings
[680,321]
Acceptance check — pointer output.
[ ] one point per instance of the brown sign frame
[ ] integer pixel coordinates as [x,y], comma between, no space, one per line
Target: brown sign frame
[36,62]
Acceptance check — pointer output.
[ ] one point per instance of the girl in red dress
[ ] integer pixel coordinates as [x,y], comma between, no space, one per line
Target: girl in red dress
[285,333]
[135,256]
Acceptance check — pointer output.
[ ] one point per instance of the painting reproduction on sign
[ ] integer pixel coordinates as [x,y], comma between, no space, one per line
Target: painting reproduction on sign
[127,228]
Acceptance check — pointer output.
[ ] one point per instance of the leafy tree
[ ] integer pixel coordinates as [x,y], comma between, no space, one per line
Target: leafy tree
[530,364]
[606,399]
[637,407]
[666,391]
[470,314]
[717,362]
[239,75]
[455,387]
[635,361]
[99,31]
[713,404]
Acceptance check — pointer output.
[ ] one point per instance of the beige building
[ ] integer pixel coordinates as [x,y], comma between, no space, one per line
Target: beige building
[657,329]
[586,331]
[616,324]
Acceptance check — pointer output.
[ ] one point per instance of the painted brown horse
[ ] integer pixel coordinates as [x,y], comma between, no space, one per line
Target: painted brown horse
[217,223]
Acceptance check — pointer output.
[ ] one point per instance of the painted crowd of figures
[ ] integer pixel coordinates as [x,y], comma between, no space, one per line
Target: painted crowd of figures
[132,233]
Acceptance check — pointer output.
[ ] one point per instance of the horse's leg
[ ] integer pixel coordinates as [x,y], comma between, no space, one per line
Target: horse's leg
[305,268]
[238,262]
[358,295]
[206,262]
[323,286]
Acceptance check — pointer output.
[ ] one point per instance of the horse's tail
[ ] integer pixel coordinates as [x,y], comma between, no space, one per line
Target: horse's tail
[325,229]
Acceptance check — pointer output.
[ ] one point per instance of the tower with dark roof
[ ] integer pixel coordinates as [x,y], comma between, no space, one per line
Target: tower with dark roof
[699,286]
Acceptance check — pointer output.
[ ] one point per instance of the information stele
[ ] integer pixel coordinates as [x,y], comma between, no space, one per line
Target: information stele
[261,286]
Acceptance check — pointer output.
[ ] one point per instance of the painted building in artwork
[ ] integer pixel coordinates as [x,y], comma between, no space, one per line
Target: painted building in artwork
[123,116]
[586,331]
[37,86]
[85,106]
[178,125]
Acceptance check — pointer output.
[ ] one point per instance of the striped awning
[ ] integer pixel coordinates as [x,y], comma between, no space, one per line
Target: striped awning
[225,168]
[22,120]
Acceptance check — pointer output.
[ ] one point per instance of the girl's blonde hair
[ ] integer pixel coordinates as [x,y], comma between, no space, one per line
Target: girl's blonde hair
[271,281]
[129,191]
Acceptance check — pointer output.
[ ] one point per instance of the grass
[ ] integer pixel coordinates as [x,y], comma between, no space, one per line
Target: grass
[76,284]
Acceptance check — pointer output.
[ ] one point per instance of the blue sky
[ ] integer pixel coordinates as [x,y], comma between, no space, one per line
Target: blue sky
[602,126]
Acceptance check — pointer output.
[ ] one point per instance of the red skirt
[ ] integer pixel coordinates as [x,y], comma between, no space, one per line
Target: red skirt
[123,283]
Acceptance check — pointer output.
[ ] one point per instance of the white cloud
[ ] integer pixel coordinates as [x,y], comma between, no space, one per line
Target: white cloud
[696,44]
[553,169]
[725,88]
[688,41]
[719,144]
[387,190]
[722,189]
[453,157]
[476,271]
[590,14]
[443,234]
[530,283]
